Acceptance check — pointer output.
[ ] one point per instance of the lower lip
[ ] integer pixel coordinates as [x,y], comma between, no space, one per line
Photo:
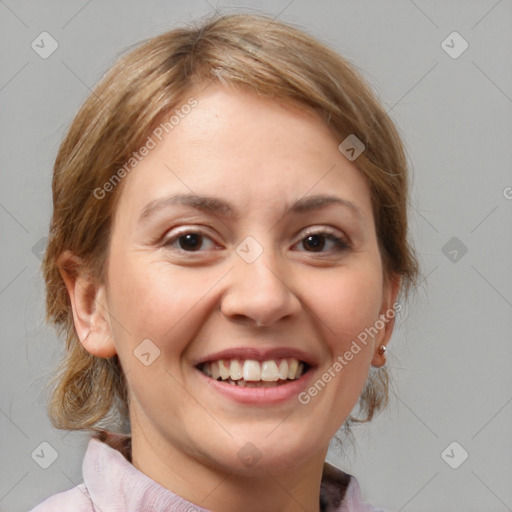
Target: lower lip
[263,396]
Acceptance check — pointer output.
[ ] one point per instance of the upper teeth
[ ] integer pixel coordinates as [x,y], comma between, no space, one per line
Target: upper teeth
[251,370]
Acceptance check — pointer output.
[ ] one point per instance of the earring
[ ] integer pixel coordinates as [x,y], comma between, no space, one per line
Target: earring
[382,350]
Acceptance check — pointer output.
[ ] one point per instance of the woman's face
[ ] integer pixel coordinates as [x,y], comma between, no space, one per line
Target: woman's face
[245,237]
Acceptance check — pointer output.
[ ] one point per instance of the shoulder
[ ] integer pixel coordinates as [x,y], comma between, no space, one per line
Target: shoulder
[76,499]
[354,500]
[340,492]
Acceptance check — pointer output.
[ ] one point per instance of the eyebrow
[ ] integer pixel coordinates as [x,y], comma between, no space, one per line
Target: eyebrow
[223,208]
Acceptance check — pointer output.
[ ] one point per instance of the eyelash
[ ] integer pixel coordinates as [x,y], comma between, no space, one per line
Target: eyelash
[341,243]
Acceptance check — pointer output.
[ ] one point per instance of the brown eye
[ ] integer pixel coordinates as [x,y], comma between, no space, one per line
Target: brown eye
[190,241]
[317,242]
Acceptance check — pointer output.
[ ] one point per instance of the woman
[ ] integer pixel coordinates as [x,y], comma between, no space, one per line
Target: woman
[228,243]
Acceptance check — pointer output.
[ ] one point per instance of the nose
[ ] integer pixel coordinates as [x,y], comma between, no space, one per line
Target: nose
[259,292]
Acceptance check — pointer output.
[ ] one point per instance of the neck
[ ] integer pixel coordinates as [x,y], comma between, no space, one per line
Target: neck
[292,490]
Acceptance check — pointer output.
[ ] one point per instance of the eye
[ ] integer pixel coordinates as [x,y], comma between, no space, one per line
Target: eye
[195,241]
[189,241]
[317,242]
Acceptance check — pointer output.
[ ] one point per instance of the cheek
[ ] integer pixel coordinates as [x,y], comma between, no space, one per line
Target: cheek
[157,302]
[347,302]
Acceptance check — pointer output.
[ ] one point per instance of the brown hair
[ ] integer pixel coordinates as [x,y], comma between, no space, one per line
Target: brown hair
[268,57]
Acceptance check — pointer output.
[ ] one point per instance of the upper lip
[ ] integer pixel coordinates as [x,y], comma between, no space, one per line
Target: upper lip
[259,354]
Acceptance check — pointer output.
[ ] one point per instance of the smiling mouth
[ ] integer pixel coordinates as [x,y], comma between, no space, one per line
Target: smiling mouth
[255,374]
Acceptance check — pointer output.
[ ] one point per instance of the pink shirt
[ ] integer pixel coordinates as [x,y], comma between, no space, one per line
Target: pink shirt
[113,484]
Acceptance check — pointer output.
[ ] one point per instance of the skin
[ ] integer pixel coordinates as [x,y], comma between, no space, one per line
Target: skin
[261,156]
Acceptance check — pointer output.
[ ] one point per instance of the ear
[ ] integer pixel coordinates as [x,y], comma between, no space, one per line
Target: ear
[89,304]
[387,315]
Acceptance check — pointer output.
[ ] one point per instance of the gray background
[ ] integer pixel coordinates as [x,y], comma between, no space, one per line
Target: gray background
[451,354]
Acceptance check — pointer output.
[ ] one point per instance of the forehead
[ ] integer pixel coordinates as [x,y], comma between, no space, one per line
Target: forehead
[249,149]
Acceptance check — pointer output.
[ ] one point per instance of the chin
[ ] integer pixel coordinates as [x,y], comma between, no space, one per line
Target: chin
[256,450]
